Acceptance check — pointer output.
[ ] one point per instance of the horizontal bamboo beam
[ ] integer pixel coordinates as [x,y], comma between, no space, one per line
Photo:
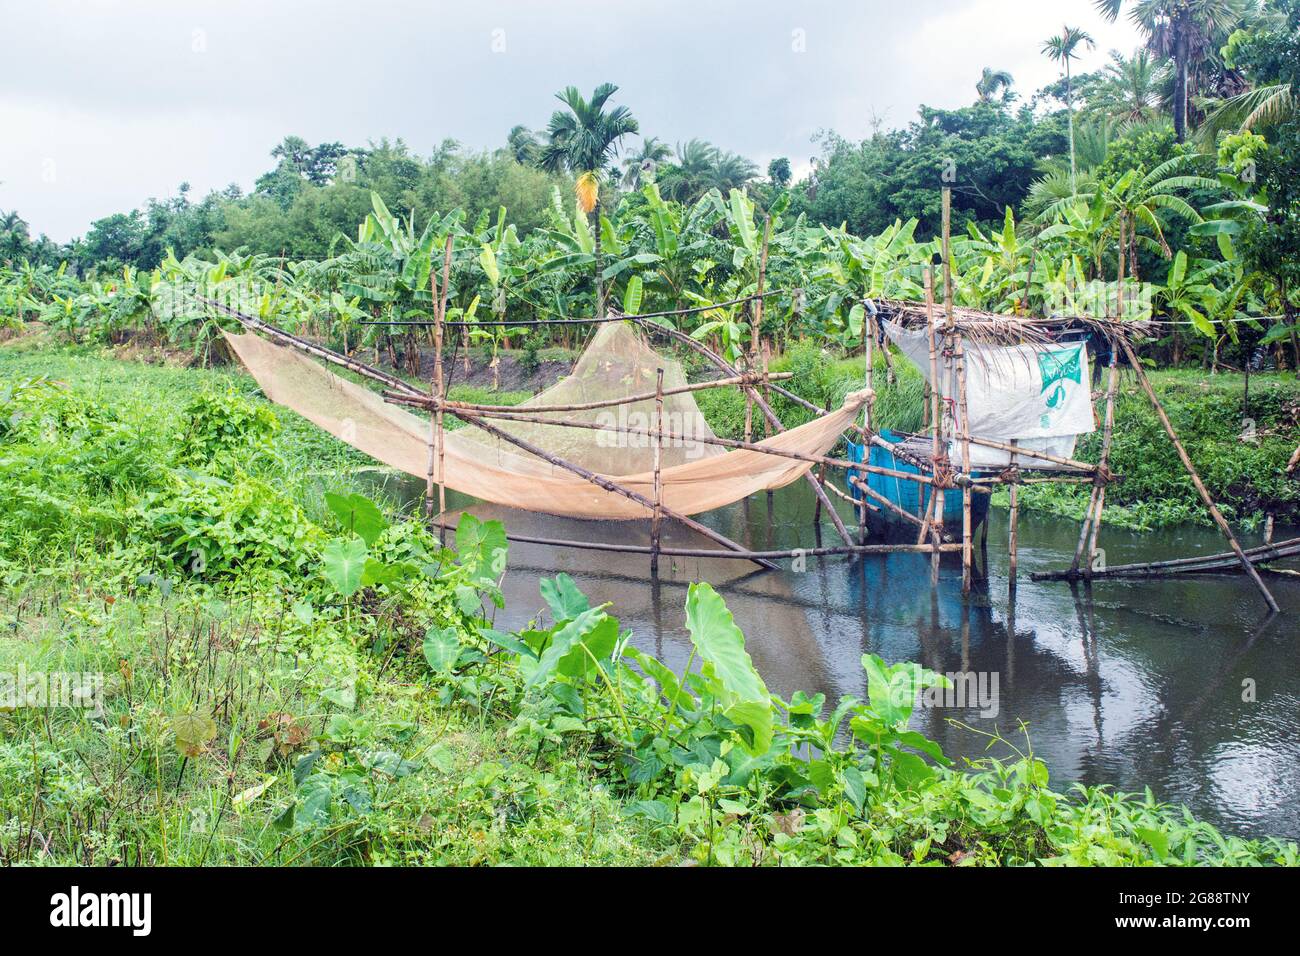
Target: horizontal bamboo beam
[710,553]
[610,402]
[1031,453]
[1192,565]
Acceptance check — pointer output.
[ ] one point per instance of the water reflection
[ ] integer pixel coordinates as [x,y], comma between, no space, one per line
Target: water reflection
[1127,683]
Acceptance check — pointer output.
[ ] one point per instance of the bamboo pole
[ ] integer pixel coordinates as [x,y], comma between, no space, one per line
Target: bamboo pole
[1072,463]
[934,511]
[771,555]
[658,479]
[1195,565]
[1112,387]
[763,406]
[1014,520]
[825,460]
[1196,478]
[868,355]
[441,384]
[959,352]
[614,402]
[755,326]
[602,482]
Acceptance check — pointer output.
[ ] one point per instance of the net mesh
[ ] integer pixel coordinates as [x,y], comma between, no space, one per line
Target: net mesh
[617,363]
[694,479]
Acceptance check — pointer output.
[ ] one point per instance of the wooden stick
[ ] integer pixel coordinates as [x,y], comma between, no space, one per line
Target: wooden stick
[1196,478]
[614,402]
[756,322]
[825,460]
[763,407]
[658,480]
[441,384]
[959,349]
[933,510]
[1033,453]
[708,553]
[602,482]
[868,354]
[1193,565]
[1012,542]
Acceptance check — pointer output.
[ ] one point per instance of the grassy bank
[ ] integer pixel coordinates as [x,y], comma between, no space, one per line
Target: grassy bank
[292,675]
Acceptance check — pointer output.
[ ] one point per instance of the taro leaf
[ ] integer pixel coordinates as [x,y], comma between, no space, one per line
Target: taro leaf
[441,649]
[669,688]
[304,612]
[563,597]
[378,572]
[563,642]
[193,732]
[342,563]
[598,644]
[892,689]
[910,771]
[720,642]
[658,811]
[507,641]
[358,514]
[482,547]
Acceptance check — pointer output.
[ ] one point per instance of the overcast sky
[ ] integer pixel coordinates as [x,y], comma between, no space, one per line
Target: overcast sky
[104,103]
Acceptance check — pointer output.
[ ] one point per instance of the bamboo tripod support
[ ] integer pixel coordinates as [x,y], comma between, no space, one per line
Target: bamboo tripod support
[1196,479]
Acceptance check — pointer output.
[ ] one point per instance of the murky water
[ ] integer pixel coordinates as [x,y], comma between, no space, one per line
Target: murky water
[1129,683]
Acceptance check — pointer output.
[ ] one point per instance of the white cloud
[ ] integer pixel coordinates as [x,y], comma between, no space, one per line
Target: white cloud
[129,101]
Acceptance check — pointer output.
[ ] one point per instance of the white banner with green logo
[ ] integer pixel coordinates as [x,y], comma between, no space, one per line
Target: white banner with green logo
[1037,394]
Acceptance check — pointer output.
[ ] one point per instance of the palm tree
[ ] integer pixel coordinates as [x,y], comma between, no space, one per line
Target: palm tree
[701,166]
[639,167]
[991,83]
[583,139]
[690,175]
[1061,48]
[1181,30]
[15,240]
[523,145]
[1130,88]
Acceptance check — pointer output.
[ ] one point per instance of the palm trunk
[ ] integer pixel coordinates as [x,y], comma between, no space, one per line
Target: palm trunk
[1069,107]
[1180,89]
[600,286]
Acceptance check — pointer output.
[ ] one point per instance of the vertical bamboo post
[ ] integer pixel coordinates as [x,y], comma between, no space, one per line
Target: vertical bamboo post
[1196,478]
[1014,521]
[755,325]
[1108,427]
[934,510]
[657,515]
[868,353]
[440,312]
[963,423]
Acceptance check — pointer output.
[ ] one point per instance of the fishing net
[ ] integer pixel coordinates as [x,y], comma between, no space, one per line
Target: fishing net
[617,363]
[696,476]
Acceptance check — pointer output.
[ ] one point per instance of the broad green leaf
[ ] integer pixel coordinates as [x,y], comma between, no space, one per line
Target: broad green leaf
[563,642]
[563,597]
[442,649]
[343,561]
[193,733]
[632,297]
[719,641]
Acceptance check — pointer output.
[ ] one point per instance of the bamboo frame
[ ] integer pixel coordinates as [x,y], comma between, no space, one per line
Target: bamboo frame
[658,478]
